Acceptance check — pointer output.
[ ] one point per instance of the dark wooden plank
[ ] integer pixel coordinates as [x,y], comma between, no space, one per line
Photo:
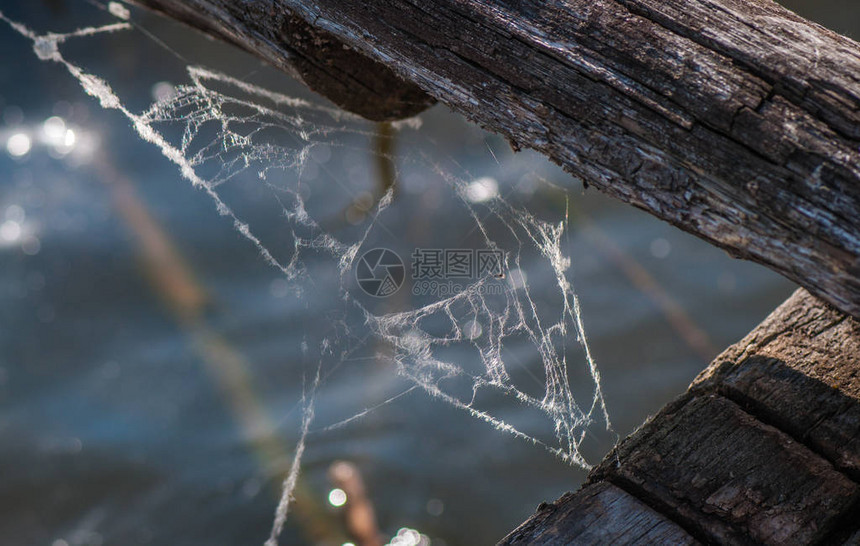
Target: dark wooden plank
[324,63]
[731,477]
[800,370]
[762,448]
[734,120]
[599,514]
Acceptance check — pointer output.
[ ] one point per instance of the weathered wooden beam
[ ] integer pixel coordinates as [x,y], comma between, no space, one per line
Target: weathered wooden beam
[319,59]
[737,121]
[599,514]
[799,371]
[763,448]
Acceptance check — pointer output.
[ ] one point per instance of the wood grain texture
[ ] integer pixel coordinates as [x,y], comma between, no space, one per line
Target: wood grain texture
[762,449]
[734,120]
[599,514]
[324,63]
[731,477]
[800,371]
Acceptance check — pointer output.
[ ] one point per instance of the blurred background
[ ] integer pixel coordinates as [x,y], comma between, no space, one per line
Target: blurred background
[151,362]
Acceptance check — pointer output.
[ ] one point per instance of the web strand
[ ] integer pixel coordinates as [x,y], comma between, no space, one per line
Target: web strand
[229,130]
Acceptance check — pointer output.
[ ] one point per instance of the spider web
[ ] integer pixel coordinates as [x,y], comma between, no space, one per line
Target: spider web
[220,131]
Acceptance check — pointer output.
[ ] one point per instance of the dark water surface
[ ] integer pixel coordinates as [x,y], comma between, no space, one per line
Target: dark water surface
[124,419]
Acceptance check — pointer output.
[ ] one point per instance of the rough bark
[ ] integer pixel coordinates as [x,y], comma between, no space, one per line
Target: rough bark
[734,120]
[762,449]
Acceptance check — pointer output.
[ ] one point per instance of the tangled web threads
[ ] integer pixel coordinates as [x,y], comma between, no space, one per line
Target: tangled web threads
[219,130]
